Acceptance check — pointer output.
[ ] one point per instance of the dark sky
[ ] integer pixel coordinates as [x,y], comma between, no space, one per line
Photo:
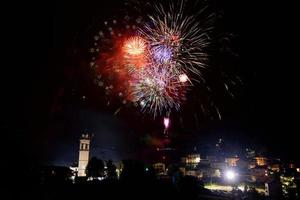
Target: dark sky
[45,78]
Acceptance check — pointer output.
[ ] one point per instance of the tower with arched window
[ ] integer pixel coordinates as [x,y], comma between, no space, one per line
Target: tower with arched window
[84,149]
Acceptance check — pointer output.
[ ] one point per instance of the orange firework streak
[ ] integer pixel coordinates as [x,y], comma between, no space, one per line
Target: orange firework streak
[135,46]
[134,49]
[128,56]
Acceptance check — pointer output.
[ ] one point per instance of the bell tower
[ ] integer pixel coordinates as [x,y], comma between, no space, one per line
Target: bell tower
[84,149]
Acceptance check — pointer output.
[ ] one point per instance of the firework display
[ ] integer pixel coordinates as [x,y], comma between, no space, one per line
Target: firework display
[152,61]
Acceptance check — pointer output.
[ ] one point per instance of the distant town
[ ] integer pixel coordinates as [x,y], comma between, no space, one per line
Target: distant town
[220,173]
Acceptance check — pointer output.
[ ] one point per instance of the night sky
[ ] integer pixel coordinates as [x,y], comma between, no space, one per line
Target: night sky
[46,77]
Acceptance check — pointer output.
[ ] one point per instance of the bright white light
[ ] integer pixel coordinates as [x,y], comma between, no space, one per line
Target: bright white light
[148,81]
[230,175]
[197,159]
[241,187]
[183,78]
[166,122]
[142,103]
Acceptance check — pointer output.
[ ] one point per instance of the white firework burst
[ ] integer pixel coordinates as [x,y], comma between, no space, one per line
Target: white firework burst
[158,90]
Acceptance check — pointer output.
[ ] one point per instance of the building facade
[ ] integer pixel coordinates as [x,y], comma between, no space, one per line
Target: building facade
[84,149]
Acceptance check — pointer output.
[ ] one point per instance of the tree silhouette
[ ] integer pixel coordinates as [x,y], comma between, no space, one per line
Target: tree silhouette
[133,170]
[174,172]
[95,167]
[111,170]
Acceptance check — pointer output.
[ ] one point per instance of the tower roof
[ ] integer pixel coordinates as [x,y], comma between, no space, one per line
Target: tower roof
[85,136]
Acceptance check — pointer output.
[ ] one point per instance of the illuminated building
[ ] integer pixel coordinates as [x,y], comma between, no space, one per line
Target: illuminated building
[195,173]
[261,161]
[252,164]
[194,166]
[259,174]
[289,187]
[182,170]
[83,160]
[292,165]
[250,153]
[160,168]
[191,159]
[232,162]
[275,167]
[216,173]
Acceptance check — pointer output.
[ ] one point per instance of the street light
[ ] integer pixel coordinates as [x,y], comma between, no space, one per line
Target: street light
[230,175]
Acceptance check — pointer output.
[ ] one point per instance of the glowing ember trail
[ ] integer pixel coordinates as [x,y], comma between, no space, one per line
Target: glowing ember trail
[152,61]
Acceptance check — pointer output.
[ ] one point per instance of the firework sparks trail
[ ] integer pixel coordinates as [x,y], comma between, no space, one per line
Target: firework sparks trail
[154,63]
[158,90]
[166,122]
[177,38]
[135,46]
